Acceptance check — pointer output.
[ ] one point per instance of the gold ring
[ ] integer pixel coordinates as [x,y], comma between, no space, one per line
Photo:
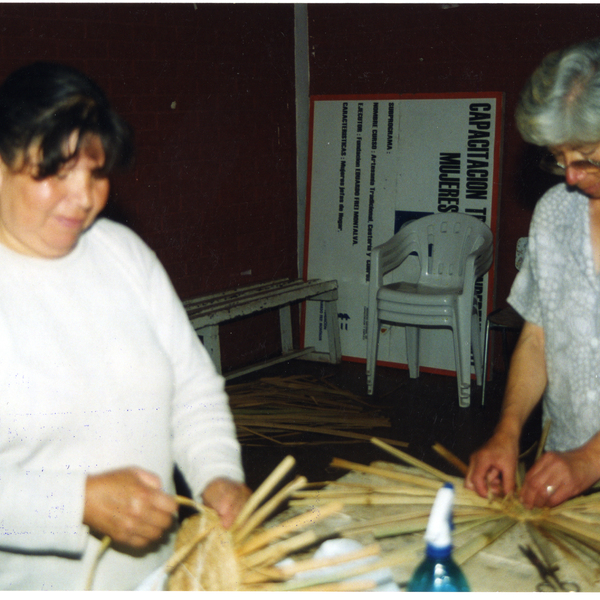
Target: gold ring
[550,489]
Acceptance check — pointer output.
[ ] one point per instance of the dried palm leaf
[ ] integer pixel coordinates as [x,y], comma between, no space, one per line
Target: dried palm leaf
[247,556]
[282,410]
[571,528]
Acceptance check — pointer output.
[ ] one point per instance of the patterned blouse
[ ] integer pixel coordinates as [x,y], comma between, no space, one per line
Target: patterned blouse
[558,289]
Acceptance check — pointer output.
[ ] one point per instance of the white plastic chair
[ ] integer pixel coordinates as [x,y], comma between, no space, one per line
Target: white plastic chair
[452,251]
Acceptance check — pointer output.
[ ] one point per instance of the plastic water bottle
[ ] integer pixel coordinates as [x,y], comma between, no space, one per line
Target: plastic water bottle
[438,572]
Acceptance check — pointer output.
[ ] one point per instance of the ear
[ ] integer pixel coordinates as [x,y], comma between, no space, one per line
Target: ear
[3,170]
[6,169]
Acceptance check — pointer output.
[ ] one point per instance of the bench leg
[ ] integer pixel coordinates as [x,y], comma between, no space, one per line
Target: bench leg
[285,326]
[333,332]
[210,340]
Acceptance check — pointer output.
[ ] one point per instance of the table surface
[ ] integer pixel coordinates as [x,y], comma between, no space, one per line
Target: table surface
[500,567]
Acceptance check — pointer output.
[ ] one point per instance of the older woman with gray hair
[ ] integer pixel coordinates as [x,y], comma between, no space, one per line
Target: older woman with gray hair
[557,291]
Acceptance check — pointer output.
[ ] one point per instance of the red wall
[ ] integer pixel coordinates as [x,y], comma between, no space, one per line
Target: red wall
[426,48]
[210,93]
[209,89]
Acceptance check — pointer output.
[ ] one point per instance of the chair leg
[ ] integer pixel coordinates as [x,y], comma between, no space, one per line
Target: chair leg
[333,332]
[372,345]
[412,351]
[476,345]
[486,345]
[505,352]
[462,352]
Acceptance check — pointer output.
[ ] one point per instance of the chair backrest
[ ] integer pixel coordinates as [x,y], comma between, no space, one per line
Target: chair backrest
[442,242]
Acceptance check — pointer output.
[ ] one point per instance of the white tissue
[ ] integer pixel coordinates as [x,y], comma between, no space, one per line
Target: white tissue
[338,547]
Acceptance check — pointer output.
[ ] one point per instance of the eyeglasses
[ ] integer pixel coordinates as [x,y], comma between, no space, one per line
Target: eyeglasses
[551,165]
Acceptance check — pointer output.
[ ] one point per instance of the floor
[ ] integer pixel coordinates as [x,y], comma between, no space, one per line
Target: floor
[422,412]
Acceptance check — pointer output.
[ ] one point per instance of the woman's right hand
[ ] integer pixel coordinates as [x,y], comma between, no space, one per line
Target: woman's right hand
[492,468]
[129,506]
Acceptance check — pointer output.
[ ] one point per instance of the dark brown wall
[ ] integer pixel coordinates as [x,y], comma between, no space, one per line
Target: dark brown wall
[210,93]
[209,89]
[426,48]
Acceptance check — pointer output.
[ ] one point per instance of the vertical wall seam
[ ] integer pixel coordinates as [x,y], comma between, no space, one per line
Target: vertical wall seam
[302,78]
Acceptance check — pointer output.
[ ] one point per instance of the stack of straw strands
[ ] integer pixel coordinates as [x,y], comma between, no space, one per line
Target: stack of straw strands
[283,410]
[245,557]
[572,528]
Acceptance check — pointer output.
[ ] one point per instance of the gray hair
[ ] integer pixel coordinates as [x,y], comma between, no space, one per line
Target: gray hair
[560,102]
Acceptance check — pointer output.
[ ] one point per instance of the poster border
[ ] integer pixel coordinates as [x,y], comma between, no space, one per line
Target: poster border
[499,97]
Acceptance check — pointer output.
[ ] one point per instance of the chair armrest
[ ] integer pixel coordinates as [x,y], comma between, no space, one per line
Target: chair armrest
[391,254]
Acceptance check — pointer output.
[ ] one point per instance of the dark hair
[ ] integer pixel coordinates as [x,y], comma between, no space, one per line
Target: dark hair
[44,103]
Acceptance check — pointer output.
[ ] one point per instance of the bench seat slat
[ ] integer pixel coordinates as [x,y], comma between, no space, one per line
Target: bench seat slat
[257,300]
[201,300]
[245,293]
[206,313]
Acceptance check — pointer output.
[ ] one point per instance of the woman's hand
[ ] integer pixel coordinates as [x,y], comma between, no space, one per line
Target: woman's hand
[558,476]
[129,506]
[227,497]
[492,468]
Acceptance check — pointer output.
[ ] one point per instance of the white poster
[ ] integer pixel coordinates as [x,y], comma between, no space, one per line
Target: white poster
[375,163]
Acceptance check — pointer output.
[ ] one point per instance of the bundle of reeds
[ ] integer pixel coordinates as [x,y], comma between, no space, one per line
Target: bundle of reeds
[301,410]
[572,528]
[246,556]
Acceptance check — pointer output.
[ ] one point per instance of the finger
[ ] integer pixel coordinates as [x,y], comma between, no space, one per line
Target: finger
[469,482]
[150,525]
[489,481]
[508,481]
[494,486]
[538,485]
[148,479]
[536,491]
[547,496]
[528,491]
[226,509]
[158,499]
[138,538]
[557,497]
[164,503]
[138,532]
[145,507]
[474,476]
[232,508]
[161,519]
[227,498]
[480,485]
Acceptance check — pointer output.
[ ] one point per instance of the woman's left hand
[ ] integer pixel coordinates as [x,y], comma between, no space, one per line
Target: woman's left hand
[227,497]
[558,476]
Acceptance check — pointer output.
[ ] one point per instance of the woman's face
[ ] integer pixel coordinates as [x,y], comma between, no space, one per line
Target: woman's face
[44,218]
[581,164]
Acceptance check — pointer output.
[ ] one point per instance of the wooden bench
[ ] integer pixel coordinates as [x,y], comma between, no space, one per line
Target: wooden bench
[206,313]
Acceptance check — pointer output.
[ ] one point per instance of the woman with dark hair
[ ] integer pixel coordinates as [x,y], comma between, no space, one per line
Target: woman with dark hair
[557,291]
[104,383]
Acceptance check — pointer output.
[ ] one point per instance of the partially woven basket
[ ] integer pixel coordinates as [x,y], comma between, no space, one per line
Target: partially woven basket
[247,557]
[212,564]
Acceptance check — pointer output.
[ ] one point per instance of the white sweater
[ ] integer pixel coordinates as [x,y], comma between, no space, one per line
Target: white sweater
[99,369]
